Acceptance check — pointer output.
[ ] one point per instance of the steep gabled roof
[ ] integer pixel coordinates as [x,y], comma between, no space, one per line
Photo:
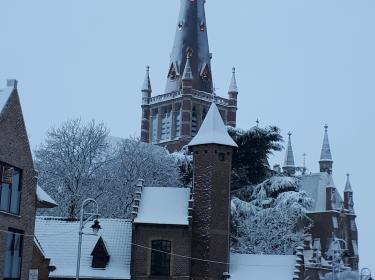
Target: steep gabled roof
[213,130]
[5,95]
[59,238]
[43,199]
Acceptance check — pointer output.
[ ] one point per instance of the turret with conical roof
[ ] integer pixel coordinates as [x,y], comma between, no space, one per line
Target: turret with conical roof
[326,162]
[289,166]
[146,96]
[146,86]
[348,195]
[212,150]
[191,39]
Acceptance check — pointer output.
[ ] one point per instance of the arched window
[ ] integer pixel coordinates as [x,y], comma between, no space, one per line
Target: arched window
[161,258]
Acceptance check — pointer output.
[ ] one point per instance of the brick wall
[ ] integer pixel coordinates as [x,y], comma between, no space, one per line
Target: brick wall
[15,150]
[180,237]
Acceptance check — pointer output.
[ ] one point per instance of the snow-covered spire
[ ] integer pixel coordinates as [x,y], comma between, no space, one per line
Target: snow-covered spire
[348,186]
[289,166]
[191,38]
[326,161]
[213,130]
[146,87]
[233,83]
[188,75]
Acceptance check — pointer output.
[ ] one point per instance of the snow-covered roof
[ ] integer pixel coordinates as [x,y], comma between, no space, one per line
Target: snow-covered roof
[44,199]
[260,267]
[213,130]
[161,205]
[315,186]
[59,240]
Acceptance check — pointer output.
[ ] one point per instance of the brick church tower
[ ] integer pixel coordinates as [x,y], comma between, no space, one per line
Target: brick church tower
[173,118]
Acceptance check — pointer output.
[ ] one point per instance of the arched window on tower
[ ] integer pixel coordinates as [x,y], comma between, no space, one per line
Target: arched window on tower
[177,120]
[194,122]
[166,123]
[154,126]
[204,113]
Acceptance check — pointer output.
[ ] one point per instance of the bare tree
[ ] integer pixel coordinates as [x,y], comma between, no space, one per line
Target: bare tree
[71,163]
[135,160]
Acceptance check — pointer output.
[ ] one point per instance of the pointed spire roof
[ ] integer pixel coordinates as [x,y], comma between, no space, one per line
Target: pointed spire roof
[213,130]
[233,83]
[289,156]
[348,186]
[6,93]
[191,38]
[147,82]
[326,149]
[188,75]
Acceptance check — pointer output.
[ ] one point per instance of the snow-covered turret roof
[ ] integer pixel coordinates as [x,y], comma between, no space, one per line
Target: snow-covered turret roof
[213,130]
[6,93]
[163,205]
[326,149]
[59,238]
[348,186]
[233,83]
[147,82]
[289,156]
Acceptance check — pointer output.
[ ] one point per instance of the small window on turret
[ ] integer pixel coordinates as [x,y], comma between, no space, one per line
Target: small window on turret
[180,26]
[221,156]
[203,27]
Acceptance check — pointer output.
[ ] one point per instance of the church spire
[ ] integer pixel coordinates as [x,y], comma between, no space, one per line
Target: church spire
[233,83]
[326,161]
[289,166]
[191,39]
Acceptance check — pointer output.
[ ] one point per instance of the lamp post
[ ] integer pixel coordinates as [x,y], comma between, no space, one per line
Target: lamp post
[82,222]
[368,275]
[337,241]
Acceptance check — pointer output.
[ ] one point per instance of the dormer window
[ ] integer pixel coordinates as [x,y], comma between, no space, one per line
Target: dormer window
[203,27]
[180,26]
[172,72]
[100,255]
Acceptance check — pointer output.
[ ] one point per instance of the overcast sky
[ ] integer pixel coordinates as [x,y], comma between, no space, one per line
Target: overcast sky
[300,64]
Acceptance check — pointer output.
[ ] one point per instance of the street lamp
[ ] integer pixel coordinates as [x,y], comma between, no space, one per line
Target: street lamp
[368,275]
[334,258]
[95,227]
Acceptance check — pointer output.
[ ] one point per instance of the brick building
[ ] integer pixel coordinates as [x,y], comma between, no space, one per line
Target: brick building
[332,215]
[19,194]
[173,118]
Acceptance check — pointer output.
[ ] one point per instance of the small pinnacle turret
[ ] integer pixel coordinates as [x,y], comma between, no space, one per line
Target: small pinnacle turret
[289,166]
[146,87]
[233,83]
[326,161]
[348,186]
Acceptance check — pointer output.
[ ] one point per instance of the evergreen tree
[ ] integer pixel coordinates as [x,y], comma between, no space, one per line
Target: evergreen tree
[250,160]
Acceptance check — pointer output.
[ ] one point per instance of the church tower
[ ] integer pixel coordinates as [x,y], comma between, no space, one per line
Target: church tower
[173,118]
[212,150]
[289,166]
[326,162]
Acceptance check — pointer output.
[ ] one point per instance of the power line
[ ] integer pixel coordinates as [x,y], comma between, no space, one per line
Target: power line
[160,251]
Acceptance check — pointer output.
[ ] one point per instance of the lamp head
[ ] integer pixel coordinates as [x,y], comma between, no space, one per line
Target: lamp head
[96,227]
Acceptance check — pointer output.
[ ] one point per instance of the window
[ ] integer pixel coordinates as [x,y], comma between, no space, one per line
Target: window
[154,125]
[335,223]
[177,121]
[166,121]
[160,258]
[10,189]
[13,254]
[194,122]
